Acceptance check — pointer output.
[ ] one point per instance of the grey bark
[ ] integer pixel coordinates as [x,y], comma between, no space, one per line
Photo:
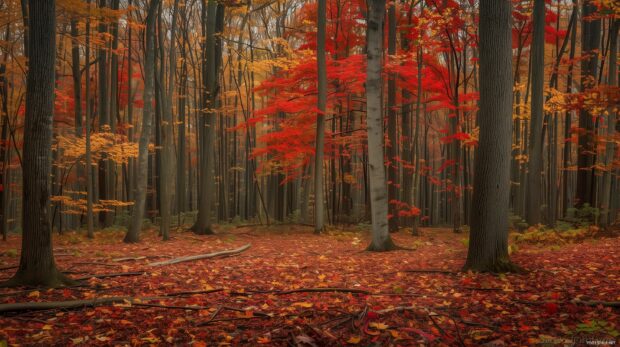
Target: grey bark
[147,119]
[488,240]
[534,168]
[381,240]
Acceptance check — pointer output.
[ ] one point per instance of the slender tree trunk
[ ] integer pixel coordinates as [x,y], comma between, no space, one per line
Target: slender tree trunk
[534,167]
[488,240]
[90,219]
[147,119]
[36,265]
[167,135]
[319,199]
[381,240]
[392,149]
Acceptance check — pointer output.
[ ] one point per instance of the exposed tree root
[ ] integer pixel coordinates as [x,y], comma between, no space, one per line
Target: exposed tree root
[54,279]
[499,266]
[388,245]
[201,231]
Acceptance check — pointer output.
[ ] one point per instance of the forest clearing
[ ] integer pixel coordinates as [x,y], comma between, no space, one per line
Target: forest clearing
[269,295]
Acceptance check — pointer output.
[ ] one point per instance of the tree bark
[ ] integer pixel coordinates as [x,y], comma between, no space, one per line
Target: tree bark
[211,60]
[392,149]
[147,119]
[606,215]
[534,167]
[488,240]
[590,42]
[167,135]
[381,240]
[37,266]
[319,199]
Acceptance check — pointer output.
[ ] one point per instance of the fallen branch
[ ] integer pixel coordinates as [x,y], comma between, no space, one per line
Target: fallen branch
[575,302]
[194,292]
[50,305]
[128,258]
[438,271]
[201,256]
[9,267]
[96,263]
[174,307]
[120,274]
[322,290]
[597,303]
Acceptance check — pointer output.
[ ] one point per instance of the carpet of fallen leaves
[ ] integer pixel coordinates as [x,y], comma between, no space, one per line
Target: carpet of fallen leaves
[404,298]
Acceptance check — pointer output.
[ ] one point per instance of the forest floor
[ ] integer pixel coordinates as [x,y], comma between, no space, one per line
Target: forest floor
[400,298]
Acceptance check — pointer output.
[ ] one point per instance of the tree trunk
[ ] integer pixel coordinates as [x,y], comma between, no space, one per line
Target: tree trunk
[590,39]
[319,200]
[167,135]
[90,219]
[606,215]
[488,241]
[36,265]
[211,58]
[381,240]
[534,184]
[147,119]
[392,149]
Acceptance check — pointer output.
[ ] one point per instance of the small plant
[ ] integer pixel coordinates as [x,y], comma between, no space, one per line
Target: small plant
[582,217]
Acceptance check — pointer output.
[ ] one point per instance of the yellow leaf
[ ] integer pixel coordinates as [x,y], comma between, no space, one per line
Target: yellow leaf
[34,294]
[354,340]
[47,327]
[394,334]
[379,326]
[321,278]
[303,304]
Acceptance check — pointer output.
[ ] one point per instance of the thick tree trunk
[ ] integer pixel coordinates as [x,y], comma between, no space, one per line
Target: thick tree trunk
[211,59]
[147,119]
[590,40]
[319,200]
[534,167]
[488,241]
[606,215]
[36,265]
[381,240]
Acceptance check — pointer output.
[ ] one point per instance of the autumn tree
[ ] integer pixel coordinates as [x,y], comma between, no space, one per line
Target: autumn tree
[36,265]
[488,240]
